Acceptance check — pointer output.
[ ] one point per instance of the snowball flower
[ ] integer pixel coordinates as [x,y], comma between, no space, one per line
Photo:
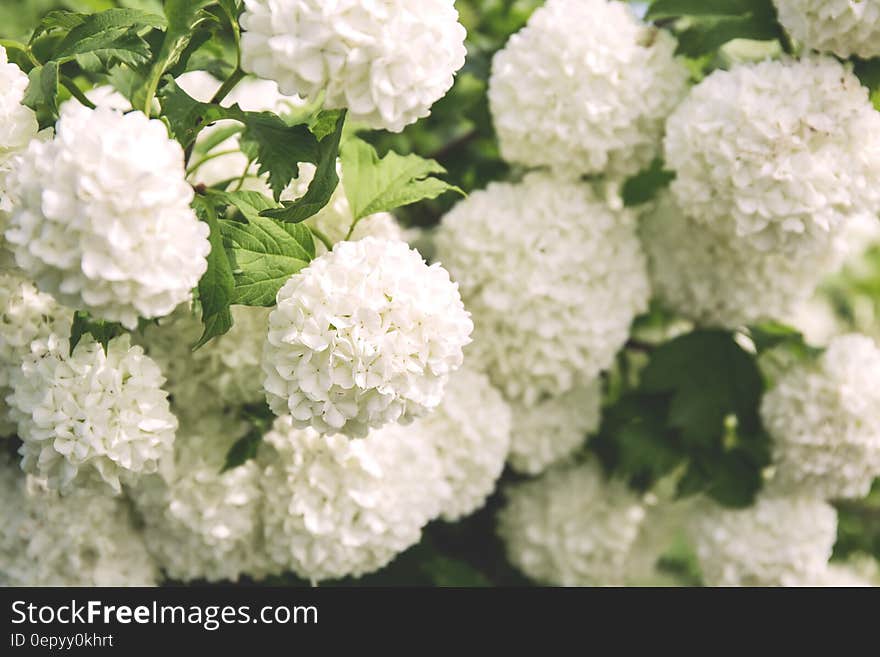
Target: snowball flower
[842,27]
[824,417]
[775,542]
[366,334]
[387,61]
[18,124]
[783,153]
[199,521]
[554,428]
[91,415]
[470,431]
[102,218]
[585,88]
[571,527]
[722,279]
[82,539]
[553,277]
[337,507]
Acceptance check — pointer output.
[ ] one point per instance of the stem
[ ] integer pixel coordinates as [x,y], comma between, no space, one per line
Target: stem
[236,77]
[208,158]
[244,176]
[321,236]
[76,92]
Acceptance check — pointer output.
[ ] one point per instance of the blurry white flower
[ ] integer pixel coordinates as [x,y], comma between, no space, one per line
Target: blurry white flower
[18,125]
[824,418]
[783,153]
[553,277]
[585,88]
[387,61]
[81,539]
[90,416]
[102,218]
[775,542]
[366,334]
[337,507]
[842,27]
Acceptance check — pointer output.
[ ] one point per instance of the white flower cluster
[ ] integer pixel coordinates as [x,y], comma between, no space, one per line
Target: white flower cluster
[824,417]
[553,277]
[101,218]
[842,27]
[90,415]
[585,88]
[200,522]
[82,539]
[18,124]
[571,527]
[337,507]
[720,279]
[224,372]
[366,334]
[776,542]
[470,432]
[387,61]
[26,316]
[781,153]
[554,428]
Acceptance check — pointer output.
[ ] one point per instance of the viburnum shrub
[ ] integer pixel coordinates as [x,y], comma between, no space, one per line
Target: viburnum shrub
[472,292]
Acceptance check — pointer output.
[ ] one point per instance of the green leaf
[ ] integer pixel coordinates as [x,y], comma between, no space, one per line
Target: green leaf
[217,284]
[674,8]
[264,252]
[101,32]
[379,185]
[243,450]
[732,479]
[868,72]
[710,378]
[323,183]
[644,186]
[42,91]
[102,331]
[187,117]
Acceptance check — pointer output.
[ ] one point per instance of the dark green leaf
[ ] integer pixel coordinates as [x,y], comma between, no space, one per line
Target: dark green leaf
[278,148]
[243,450]
[217,284]
[674,8]
[102,331]
[644,186]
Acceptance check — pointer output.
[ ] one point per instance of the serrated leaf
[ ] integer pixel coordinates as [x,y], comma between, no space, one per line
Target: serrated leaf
[379,185]
[324,182]
[264,254]
[645,185]
[217,284]
[278,148]
[243,450]
[102,331]
[187,116]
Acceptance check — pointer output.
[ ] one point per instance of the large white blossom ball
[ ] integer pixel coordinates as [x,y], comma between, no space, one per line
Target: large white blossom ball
[585,87]
[553,277]
[721,279]
[18,123]
[824,417]
[553,428]
[90,415]
[779,541]
[201,522]
[470,431]
[82,539]
[386,61]
[366,334]
[842,27]
[571,527]
[102,219]
[782,153]
[337,507]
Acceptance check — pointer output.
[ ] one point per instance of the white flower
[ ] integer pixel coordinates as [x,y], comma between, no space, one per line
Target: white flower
[337,507]
[824,417]
[721,279]
[843,27]
[18,125]
[366,334]
[553,277]
[585,88]
[775,542]
[224,372]
[781,152]
[82,539]
[571,527]
[387,61]
[553,428]
[90,415]
[470,431]
[201,523]
[102,218]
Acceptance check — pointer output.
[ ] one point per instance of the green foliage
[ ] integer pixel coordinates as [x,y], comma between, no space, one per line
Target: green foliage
[644,186]
[217,285]
[102,331]
[243,450]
